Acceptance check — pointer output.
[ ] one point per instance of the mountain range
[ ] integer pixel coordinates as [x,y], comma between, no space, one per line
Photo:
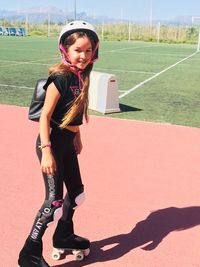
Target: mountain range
[56,15]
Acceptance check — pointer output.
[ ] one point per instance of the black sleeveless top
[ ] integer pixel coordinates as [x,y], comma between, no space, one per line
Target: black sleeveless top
[69,89]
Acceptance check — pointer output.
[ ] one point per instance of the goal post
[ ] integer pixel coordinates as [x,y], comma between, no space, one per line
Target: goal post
[196,20]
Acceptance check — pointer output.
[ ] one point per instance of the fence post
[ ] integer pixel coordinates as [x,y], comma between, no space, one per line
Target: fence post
[158,32]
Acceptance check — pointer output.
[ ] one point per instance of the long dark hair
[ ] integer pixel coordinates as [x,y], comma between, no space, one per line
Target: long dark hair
[80,104]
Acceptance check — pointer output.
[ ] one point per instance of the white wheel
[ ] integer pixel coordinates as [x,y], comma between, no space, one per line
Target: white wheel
[56,253]
[55,256]
[86,252]
[79,255]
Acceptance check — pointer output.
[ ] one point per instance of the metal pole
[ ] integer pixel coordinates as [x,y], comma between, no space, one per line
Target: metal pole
[26,24]
[151,17]
[49,26]
[198,45]
[129,31]
[74,9]
[158,33]
[102,31]
[122,15]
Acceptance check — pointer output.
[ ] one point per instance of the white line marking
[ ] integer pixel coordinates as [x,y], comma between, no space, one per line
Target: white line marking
[33,62]
[131,71]
[127,48]
[150,53]
[156,75]
[13,63]
[16,86]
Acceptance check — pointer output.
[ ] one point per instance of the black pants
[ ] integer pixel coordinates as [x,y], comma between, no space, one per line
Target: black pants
[67,173]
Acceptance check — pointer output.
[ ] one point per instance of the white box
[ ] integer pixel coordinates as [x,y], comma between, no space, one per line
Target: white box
[103,92]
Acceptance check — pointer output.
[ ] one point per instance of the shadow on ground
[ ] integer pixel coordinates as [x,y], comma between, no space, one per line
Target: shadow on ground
[148,233]
[126,108]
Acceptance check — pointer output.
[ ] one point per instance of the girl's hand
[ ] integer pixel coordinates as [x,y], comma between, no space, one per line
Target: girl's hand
[48,164]
[77,143]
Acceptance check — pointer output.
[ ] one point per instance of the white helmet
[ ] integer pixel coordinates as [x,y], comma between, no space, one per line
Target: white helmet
[76,26]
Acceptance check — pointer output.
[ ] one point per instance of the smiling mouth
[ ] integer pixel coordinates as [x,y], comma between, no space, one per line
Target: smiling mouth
[83,61]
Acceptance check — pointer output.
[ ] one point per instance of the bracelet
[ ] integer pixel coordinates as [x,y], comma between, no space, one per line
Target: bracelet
[45,145]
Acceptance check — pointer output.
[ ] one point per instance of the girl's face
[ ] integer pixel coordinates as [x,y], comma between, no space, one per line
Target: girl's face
[80,52]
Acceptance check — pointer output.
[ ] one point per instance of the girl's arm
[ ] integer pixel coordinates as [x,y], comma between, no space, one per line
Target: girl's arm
[48,164]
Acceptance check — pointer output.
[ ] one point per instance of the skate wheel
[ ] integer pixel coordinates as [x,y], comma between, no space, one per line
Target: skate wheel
[86,252]
[56,253]
[79,255]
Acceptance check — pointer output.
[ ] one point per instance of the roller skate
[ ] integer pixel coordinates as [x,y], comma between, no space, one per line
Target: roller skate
[64,240]
[31,255]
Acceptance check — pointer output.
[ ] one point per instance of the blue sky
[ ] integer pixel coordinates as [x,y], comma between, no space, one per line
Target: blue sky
[121,9]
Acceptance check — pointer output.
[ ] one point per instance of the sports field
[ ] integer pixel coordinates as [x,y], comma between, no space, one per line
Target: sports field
[139,211]
[157,82]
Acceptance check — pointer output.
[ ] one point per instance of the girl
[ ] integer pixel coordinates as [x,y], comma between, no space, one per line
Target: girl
[59,142]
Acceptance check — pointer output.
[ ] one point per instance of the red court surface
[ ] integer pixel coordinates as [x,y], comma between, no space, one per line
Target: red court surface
[142,183]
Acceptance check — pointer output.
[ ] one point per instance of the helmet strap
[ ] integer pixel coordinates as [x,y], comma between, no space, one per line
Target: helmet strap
[65,61]
[64,55]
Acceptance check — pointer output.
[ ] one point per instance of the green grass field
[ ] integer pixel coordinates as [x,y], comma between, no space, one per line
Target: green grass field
[171,97]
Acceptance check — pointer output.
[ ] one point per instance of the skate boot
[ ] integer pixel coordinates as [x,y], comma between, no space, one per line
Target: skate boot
[31,255]
[64,239]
